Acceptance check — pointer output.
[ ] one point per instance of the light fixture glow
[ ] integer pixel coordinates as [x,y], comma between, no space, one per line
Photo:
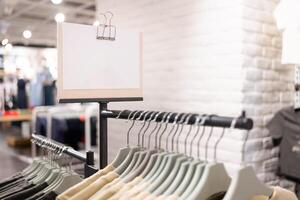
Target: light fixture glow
[59,17]
[8,47]
[4,41]
[96,23]
[56,1]
[27,34]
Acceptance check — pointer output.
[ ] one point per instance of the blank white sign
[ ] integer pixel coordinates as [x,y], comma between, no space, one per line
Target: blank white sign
[91,68]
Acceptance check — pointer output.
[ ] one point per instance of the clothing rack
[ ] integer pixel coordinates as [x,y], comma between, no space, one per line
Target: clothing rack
[212,120]
[50,144]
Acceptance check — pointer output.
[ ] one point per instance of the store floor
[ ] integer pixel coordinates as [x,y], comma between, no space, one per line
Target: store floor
[10,162]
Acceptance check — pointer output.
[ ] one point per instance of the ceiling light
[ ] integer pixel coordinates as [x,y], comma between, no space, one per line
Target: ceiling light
[96,23]
[8,47]
[56,1]
[59,17]
[4,41]
[27,34]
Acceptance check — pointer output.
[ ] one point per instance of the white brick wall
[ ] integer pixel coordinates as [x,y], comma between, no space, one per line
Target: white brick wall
[209,56]
[272,82]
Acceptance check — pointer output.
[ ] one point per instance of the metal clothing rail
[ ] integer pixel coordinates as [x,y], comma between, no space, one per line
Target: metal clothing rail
[88,159]
[212,120]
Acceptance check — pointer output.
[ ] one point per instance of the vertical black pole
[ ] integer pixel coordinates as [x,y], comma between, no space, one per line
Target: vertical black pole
[103,136]
[89,163]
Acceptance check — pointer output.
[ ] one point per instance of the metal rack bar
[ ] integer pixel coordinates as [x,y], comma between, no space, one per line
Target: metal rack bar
[213,120]
[88,159]
[103,136]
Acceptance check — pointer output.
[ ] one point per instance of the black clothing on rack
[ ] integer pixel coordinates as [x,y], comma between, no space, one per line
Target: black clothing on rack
[217,196]
[284,128]
[49,95]
[10,179]
[49,196]
[22,102]
[27,192]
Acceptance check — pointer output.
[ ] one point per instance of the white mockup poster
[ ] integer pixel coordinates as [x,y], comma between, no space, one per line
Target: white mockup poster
[91,69]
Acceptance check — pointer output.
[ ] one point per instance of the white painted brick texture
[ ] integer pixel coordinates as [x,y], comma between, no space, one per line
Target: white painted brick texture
[209,56]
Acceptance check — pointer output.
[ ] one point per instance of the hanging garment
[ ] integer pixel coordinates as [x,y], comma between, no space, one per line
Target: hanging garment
[77,189]
[49,196]
[11,179]
[287,16]
[285,125]
[49,95]
[278,194]
[21,94]
[36,91]
[25,193]
[66,129]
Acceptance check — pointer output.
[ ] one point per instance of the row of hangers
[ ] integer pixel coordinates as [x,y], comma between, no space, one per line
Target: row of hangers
[48,169]
[170,172]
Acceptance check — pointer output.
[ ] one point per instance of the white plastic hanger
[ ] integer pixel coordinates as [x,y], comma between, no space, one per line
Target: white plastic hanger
[165,180]
[123,152]
[143,171]
[155,159]
[167,166]
[214,179]
[122,167]
[138,156]
[69,179]
[196,168]
[158,174]
[245,184]
[138,170]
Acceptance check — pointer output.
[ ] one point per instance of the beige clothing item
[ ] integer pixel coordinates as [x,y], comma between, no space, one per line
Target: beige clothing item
[137,189]
[150,197]
[109,185]
[95,186]
[106,194]
[126,188]
[141,196]
[161,197]
[83,184]
[278,194]
[172,197]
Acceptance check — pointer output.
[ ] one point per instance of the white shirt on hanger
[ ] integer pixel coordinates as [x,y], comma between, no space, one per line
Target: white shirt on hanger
[287,16]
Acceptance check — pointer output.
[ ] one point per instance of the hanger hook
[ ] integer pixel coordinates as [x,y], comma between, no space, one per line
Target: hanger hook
[120,113]
[133,122]
[208,139]
[189,131]
[197,120]
[217,144]
[173,126]
[232,126]
[186,122]
[202,123]
[130,118]
[182,118]
[160,125]
[164,130]
[154,120]
[147,127]
[144,113]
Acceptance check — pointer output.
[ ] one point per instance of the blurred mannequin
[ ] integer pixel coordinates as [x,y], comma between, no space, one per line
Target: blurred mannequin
[42,78]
